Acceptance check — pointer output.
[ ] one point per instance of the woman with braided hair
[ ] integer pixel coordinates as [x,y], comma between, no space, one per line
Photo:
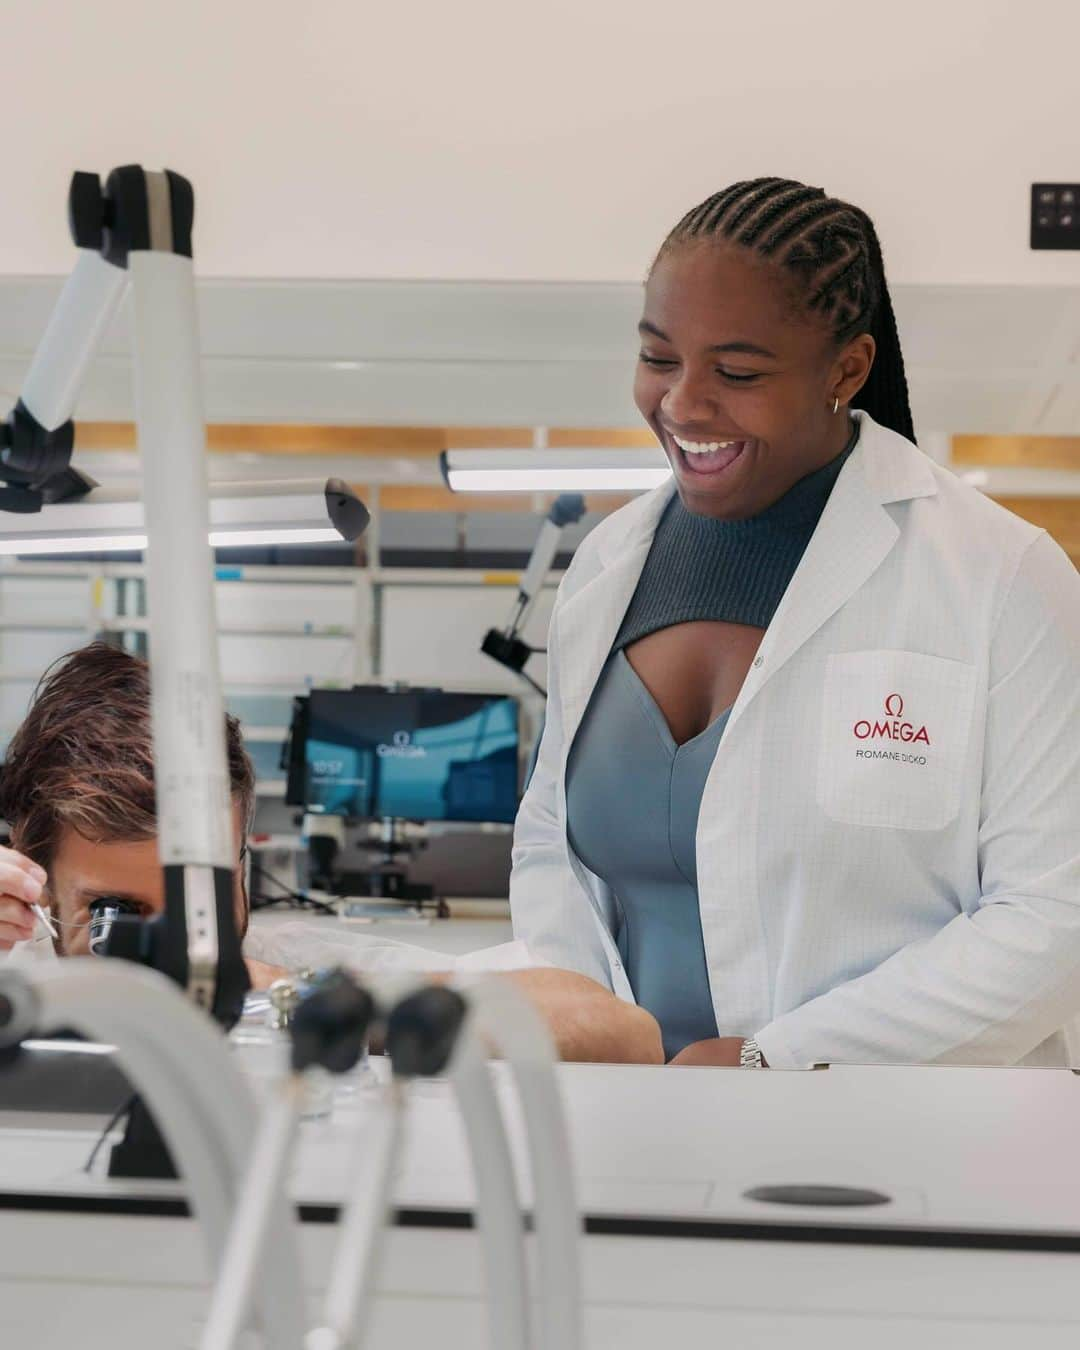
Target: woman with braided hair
[809,787]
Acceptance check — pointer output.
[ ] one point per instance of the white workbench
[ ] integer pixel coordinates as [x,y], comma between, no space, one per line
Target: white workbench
[454,936]
[978,1246]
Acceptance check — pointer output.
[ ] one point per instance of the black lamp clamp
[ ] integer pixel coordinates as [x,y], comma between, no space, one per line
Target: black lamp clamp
[334,1016]
[506,645]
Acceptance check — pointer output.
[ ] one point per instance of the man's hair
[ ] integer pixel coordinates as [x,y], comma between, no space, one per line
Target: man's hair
[83,756]
[829,249]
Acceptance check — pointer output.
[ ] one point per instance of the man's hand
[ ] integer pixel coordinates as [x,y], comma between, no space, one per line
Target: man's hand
[22,883]
[262,975]
[587,1021]
[721,1052]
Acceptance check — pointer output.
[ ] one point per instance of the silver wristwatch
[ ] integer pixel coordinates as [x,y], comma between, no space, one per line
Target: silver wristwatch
[750,1054]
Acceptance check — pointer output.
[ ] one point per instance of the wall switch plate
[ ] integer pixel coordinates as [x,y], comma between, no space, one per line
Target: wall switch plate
[1055,215]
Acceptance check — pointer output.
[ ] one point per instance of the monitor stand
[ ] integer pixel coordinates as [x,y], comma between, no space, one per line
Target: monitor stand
[385,882]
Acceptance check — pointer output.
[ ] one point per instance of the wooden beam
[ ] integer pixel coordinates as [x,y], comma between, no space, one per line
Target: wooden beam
[104,435]
[421,442]
[280,439]
[522,438]
[1025,452]
[420,497]
[402,497]
[624,438]
[1059,516]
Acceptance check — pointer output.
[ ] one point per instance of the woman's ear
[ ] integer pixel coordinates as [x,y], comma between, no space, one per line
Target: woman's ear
[853,366]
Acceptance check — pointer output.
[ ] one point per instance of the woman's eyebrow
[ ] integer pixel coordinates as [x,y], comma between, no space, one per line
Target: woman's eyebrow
[747,348]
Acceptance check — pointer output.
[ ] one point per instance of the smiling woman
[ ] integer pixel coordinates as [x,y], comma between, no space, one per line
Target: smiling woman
[706,830]
[764,311]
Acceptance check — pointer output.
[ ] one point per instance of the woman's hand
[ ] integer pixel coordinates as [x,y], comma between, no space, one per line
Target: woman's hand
[22,884]
[721,1052]
[587,1022]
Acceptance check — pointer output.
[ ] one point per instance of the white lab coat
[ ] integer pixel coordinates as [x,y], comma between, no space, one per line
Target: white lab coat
[858,907]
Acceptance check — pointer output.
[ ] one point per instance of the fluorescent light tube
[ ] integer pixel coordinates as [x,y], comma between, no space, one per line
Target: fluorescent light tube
[88,543]
[110,519]
[71,1047]
[256,538]
[562,470]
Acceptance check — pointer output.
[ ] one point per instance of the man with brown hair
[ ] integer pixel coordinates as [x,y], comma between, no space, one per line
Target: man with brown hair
[77,788]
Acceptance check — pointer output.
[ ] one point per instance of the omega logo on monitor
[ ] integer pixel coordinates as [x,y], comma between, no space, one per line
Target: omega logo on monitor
[412,754]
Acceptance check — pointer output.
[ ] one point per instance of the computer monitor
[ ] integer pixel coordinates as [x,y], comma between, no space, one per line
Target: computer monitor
[414,754]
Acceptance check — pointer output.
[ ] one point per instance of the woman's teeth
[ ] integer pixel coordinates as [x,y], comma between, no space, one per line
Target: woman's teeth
[709,456]
[702,447]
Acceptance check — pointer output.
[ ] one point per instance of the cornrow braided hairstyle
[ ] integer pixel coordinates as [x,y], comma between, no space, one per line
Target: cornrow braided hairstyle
[831,250]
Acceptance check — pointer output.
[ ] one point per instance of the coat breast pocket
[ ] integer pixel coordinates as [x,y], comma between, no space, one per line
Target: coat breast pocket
[895,732]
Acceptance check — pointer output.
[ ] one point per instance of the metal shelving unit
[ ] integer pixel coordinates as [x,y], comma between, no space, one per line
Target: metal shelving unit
[265,660]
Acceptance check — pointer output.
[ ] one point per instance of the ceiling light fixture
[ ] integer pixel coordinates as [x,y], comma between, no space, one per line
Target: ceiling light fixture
[562,470]
[111,519]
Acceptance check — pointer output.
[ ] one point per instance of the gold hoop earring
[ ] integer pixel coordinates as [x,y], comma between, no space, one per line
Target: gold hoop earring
[835,406]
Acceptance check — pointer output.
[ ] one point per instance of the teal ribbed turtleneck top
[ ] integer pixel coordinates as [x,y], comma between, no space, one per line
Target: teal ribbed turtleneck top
[731,570]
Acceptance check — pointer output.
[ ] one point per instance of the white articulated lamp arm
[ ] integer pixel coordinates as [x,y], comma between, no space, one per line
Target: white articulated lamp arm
[329,1028]
[498,1206]
[509,1021]
[182,1068]
[79,321]
[37,438]
[253,1219]
[200,946]
[194,807]
[507,646]
[351,1285]
[138,226]
[431,1030]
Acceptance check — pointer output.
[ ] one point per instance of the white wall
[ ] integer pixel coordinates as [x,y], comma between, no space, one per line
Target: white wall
[277,638]
[495,139]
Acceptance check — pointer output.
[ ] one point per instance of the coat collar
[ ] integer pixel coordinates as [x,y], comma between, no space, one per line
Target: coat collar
[851,540]
[895,470]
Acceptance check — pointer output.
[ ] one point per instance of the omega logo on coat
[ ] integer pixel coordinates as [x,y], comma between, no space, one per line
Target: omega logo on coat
[893,729]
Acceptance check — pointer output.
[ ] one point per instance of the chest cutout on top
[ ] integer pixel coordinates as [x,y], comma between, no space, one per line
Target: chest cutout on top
[694,671]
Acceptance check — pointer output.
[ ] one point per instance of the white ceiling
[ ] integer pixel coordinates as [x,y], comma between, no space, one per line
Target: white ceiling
[980,359]
[554,141]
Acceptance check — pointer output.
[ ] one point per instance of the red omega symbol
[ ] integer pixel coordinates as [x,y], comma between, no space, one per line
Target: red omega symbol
[898,711]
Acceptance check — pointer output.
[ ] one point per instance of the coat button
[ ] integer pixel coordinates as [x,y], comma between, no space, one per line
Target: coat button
[759,661]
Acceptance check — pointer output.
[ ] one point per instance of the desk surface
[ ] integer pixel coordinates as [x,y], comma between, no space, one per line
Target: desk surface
[973,1159]
[455,936]
[968,1156]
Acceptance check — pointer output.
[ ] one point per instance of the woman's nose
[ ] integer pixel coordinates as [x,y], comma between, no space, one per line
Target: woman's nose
[688,401]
